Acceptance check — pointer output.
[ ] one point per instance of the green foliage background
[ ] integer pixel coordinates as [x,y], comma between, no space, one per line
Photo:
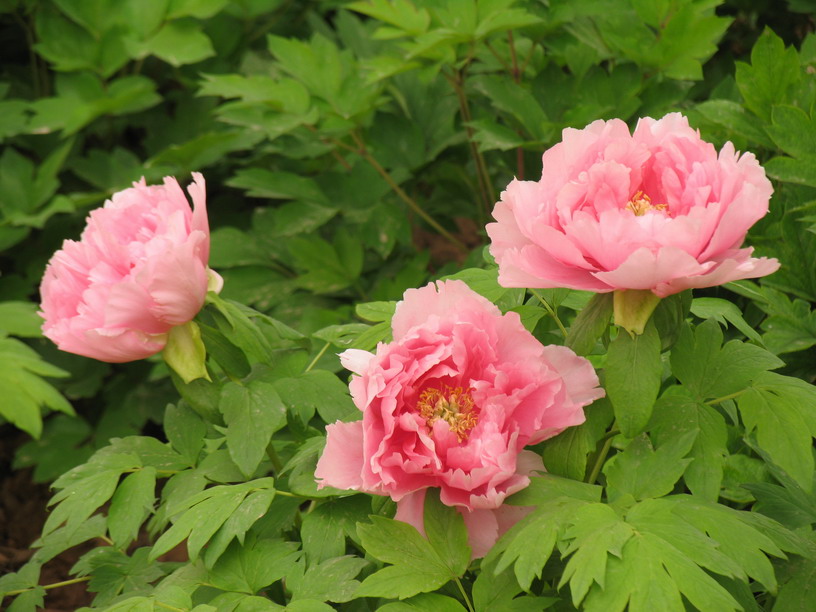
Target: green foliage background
[353,150]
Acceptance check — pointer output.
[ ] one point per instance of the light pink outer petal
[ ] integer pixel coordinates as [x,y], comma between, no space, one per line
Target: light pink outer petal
[411,510]
[197,191]
[341,465]
[442,299]
[580,379]
[739,267]
[116,347]
[177,281]
[645,269]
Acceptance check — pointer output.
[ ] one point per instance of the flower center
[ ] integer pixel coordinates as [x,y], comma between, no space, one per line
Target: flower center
[640,204]
[453,405]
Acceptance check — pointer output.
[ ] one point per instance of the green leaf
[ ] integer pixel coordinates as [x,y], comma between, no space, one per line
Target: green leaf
[52,544]
[642,472]
[114,574]
[416,565]
[676,413]
[325,529]
[376,311]
[590,324]
[330,580]
[780,409]
[130,505]
[708,370]
[446,531]
[566,454]
[185,430]
[250,567]
[201,515]
[633,373]
[424,602]
[723,310]
[401,14]
[735,118]
[251,510]
[178,43]
[86,488]
[322,539]
[774,70]
[595,531]
[252,413]
[20,319]
[317,390]
[544,527]
[793,131]
[24,392]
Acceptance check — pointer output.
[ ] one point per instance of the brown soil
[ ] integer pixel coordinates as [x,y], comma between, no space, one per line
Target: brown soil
[22,514]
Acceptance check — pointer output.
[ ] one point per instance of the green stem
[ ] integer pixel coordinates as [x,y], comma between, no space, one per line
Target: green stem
[596,469]
[168,607]
[412,204]
[275,460]
[483,176]
[55,585]
[550,310]
[720,400]
[464,594]
[317,357]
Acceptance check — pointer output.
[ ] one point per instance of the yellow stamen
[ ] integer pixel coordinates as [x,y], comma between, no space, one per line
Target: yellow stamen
[640,204]
[453,405]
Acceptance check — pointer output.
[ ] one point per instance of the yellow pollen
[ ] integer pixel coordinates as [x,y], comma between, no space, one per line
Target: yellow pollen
[640,204]
[452,405]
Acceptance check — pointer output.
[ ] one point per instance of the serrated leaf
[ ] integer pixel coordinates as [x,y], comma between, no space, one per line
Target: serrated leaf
[250,567]
[723,310]
[317,390]
[330,580]
[643,473]
[130,506]
[782,410]
[708,370]
[203,514]
[677,412]
[251,510]
[416,566]
[252,412]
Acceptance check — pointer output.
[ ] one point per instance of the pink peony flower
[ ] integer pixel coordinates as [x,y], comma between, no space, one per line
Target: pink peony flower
[450,403]
[656,210]
[139,269]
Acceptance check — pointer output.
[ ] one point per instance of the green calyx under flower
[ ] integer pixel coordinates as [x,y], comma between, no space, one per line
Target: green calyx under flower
[632,309]
[185,352]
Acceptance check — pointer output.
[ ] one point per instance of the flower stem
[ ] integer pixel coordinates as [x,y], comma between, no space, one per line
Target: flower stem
[483,176]
[55,585]
[464,594]
[596,469]
[412,204]
[274,459]
[550,310]
[317,357]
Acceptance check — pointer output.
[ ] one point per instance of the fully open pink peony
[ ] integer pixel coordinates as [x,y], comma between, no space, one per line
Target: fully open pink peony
[139,269]
[451,403]
[656,210]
